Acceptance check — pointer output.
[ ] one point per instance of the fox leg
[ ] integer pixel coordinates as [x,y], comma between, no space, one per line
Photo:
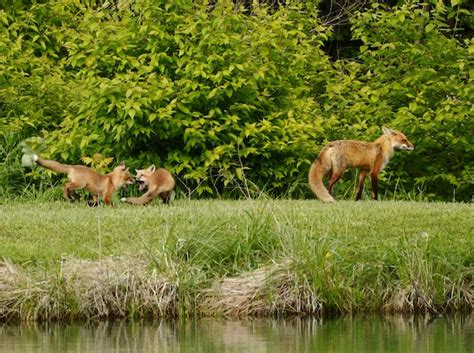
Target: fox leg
[165,196]
[95,201]
[336,175]
[69,190]
[142,200]
[108,199]
[360,184]
[373,177]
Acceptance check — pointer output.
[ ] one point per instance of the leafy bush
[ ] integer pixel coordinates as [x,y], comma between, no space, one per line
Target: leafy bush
[213,95]
[411,75]
[224,98]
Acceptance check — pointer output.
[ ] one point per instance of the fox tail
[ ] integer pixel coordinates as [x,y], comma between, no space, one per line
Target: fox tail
[315,178]
[27,157]
[52,165]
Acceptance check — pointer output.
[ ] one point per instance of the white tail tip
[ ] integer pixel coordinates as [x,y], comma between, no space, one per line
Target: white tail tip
[28,160]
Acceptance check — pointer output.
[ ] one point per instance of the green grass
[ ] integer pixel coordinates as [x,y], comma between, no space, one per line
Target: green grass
[315,257]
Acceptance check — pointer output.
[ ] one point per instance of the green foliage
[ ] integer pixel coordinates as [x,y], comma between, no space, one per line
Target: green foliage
[11,173]
[411,75]
[98,162]
[210,94]
[227,100]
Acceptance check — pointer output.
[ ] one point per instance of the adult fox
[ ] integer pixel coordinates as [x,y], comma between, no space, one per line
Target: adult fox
[82,177]
[159,181]
[371,157]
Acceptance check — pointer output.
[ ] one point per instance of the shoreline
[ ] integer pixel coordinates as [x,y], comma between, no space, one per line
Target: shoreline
[268,258]
[114,288]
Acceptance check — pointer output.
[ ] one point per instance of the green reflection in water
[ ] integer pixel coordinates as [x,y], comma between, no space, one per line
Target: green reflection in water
[361,335]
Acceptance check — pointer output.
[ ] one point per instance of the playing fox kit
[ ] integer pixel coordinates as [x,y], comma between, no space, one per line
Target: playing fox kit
[82,177]
[368,157]
[160,183]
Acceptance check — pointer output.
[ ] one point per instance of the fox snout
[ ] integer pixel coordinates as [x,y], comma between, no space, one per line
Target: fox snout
[407,147]
[141,184]
[404,145]
[128,179]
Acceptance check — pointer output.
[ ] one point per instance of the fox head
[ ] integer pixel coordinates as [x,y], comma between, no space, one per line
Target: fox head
[122,175]
[398,140]
[143,176]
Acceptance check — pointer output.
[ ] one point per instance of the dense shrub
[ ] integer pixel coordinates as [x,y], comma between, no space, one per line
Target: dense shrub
[211,94]
[220,96]
[412,75]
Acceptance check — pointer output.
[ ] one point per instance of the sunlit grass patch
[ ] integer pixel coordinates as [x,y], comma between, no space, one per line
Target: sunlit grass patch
[308,257]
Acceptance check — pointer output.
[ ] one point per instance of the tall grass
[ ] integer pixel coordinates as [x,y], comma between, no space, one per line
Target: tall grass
[265,257]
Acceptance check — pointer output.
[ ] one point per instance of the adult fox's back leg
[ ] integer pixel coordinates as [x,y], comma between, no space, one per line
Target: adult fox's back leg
[360,184]
[336,174]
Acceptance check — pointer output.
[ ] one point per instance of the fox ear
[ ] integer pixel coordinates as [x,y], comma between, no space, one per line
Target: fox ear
[152,168]
[387,131]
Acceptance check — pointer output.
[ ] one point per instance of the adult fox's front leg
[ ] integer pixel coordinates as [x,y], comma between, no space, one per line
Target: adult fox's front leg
[374,175]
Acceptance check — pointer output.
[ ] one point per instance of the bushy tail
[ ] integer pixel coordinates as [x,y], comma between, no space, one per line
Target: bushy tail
[53,165]
[27,158]
[315,178]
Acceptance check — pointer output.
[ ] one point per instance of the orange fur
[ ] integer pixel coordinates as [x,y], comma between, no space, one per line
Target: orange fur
[368,157]
[160,183]
[82,177]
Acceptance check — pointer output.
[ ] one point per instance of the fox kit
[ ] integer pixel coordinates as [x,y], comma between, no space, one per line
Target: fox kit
[371,157]
[160,183]
[82,177]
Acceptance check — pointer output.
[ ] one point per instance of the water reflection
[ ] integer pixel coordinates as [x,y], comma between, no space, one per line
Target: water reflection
[366,334]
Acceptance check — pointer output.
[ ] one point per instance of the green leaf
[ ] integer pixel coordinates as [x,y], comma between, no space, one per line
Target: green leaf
[183,108]
[213,92]
[239,174]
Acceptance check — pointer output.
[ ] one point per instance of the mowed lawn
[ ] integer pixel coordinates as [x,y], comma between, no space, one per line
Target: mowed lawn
[239,258]
[41,233]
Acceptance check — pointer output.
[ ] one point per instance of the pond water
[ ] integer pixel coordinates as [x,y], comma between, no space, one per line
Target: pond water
[361,335]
